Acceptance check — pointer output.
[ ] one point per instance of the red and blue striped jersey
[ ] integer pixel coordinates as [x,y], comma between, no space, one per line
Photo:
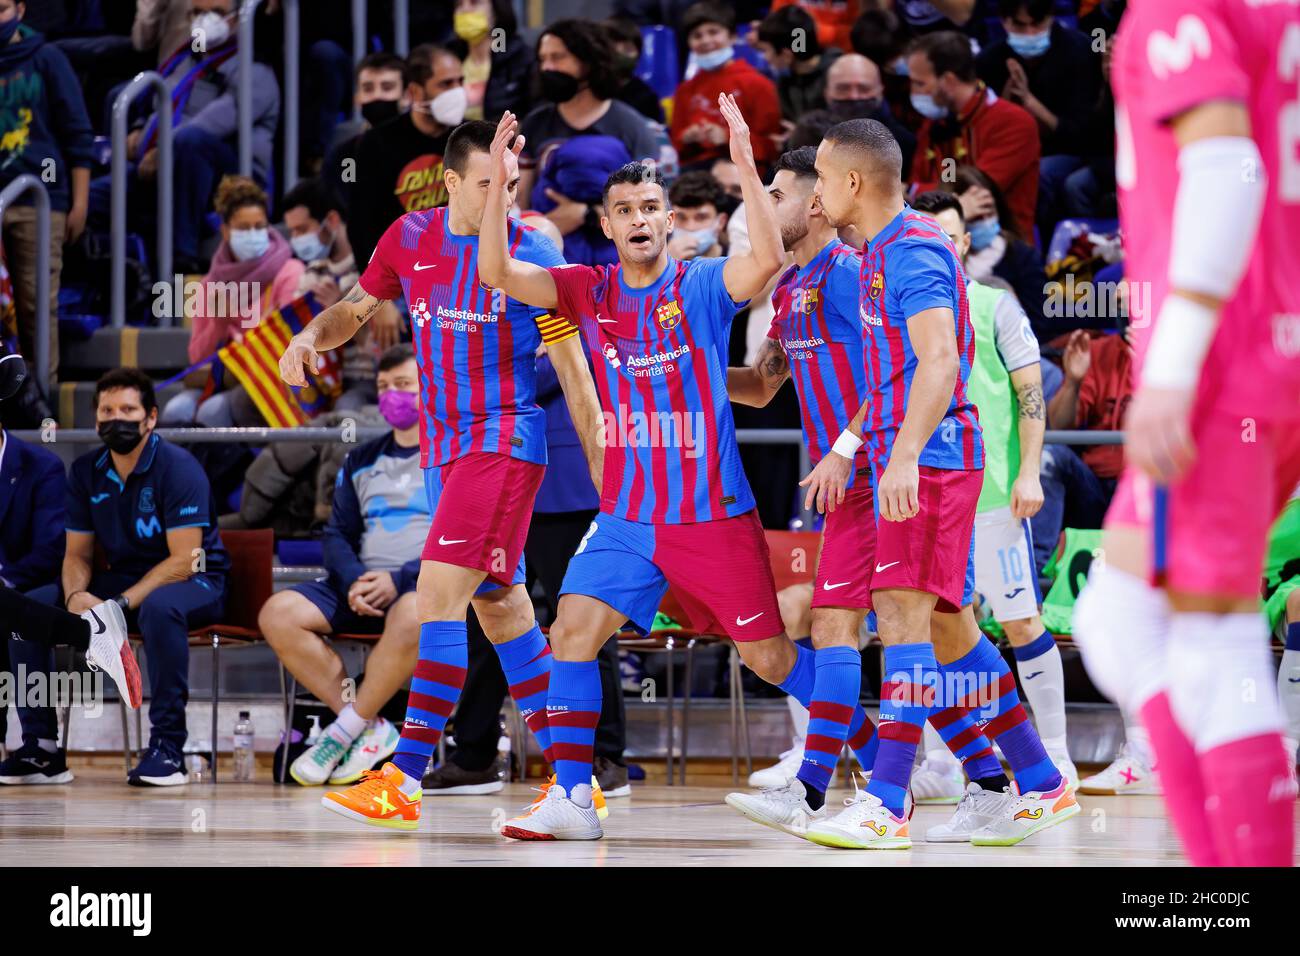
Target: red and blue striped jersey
[911,266]
[659,358]
[816,324]
[475,346]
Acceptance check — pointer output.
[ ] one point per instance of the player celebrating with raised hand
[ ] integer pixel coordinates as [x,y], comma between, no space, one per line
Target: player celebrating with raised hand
[1207,94]
[675,506]
[483,448]
[923,437]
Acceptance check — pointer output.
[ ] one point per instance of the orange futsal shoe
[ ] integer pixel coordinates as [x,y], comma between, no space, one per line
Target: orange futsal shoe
[377,800]
[597,796]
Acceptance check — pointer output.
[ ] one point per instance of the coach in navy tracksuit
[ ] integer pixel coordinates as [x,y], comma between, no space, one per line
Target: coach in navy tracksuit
[148,505]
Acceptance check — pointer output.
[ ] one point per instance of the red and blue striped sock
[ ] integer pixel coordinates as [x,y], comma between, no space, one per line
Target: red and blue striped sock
[863,740]
[800,684]
[983,684]
[836,687]
[906,698]
[572,712]
[966,741]
[526,661]
[435,688]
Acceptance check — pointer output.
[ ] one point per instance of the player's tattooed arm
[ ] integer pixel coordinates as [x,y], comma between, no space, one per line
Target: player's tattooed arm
[365,304]
[1030,399]
[1027,490]
[757,384]
[333,327]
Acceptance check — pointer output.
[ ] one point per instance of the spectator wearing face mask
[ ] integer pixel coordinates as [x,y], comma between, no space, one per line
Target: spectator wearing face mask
[379,92]
[855,90]
[634,91]
[787,39]
[204,80]
[698,130]
[578,79]
[146,504]
[257,264]
[996,250]
[399,163]
[497,62]
[698,221]
[966,122]
[883,38]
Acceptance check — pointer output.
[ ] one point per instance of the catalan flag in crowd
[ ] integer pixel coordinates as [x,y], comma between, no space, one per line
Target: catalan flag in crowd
[254,362]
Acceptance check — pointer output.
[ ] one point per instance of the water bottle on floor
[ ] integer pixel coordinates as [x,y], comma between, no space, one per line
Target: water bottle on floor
[245,759]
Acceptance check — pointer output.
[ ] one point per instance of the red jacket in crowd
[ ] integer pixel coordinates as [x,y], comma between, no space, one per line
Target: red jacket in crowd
[994,135]
[834,18]
[696,101]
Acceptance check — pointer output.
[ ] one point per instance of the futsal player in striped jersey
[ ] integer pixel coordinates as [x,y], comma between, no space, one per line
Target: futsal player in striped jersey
[676,508]
[482,447]
[923,437]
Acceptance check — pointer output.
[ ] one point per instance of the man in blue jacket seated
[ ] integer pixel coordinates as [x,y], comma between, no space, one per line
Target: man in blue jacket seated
[377,528]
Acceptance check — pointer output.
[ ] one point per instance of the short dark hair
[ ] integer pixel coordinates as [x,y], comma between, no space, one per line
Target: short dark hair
[588,41]
[872,140]
[128,377]
[634,173]
[320,202]
[779,30]
[419,63]
[936,201]
[396,355]
[948,52]
[474,136]
[707,12]
[624,30]
[385,61]
[1038,10]
[880,36]
[802,162]
[811,129]
[695,189]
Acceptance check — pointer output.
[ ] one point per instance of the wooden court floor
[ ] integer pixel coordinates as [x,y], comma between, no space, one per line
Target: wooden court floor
[98,820]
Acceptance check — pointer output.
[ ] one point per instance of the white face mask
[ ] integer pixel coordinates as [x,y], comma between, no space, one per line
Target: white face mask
[213,27]
[448,107]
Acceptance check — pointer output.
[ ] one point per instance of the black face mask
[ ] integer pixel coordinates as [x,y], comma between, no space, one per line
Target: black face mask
[854,109]
[379,111]
[13,370]
[558,87]
[120,435]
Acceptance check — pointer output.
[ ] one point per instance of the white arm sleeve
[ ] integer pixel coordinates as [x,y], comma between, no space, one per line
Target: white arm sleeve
[1017,344]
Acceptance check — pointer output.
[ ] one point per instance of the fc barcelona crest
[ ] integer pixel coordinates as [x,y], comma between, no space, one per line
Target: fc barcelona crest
[669,315]
[877,285]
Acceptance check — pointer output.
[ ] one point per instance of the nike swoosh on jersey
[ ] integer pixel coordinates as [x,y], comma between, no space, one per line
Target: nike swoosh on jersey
[419,268]
[886,567]
[748,620]
[827,586]
[444,542]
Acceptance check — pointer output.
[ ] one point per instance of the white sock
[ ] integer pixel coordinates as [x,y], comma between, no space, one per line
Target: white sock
[409,785]
[347,726]
[1139,742]
[936,751]
[1122,627]
[49,746]
[1221,682]
[1288,690]
[799,715]
[1043,681]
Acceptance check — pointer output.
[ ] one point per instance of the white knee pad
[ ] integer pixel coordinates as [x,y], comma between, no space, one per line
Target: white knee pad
[1221,682]
[1121,625]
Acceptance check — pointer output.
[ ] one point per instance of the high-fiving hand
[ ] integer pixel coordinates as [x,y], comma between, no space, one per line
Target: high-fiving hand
[505,155]
[742,150]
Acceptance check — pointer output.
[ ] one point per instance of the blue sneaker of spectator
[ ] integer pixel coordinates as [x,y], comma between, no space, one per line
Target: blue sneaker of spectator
[30,764]
[162,766]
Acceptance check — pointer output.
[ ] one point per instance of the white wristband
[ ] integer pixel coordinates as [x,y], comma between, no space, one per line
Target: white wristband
[1183,334]
[847,444]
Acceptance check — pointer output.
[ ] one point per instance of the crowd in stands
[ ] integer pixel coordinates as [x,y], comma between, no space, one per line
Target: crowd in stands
[1004,103]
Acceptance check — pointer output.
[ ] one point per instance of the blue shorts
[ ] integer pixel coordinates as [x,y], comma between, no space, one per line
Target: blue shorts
[334,607]
[433,483]
[719,572]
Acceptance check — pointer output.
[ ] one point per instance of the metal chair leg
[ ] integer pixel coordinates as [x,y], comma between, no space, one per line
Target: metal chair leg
[290,693]
[686,709]
[216,692]
[672,736]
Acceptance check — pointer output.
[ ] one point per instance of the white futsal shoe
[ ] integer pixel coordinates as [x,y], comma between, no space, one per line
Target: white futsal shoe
[1025,814]
[377,743]
[939,780]
[781,808]
[978,808]
[1127,775]
[1064,765]
[557,817]
[783,771]
[110,651]
[864,824]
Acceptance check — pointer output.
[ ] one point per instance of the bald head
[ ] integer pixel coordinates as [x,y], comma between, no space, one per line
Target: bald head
[853,77]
